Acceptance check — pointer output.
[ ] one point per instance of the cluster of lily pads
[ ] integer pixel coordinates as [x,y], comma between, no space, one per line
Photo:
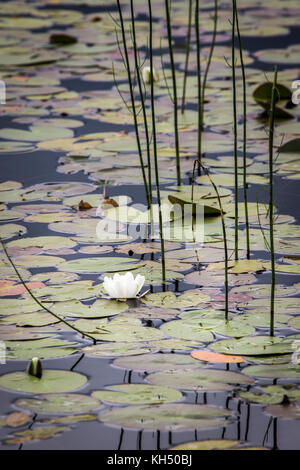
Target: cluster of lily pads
[174,338]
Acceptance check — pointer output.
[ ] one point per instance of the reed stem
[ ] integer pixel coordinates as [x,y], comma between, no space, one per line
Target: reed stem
[225,240]
[138,74]
[200,113]
[236,210]
[127,65]
[155,146]
[187,55]
[175,101]
[271,206]
[244,135]
[211,51]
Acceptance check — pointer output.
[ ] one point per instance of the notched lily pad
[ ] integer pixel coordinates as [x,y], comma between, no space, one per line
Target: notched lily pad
[171,417]
[137,394]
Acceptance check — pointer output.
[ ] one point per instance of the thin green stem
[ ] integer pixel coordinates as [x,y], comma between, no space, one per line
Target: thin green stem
[271,205]
[211,51]
[162,242]
[244,135]
[127,65]
[175,101]
[225,239]
[138,75]
[236,209]
[187,55]
[37,300]
[199,135]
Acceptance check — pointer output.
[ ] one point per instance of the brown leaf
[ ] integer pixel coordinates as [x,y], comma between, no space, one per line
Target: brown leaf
[16,419]
[84,206]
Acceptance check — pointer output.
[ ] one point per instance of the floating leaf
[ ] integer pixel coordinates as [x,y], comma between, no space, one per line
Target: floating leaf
[276,371]
[35,435]
[214,445]
[117,349]
[59,403]
[16,419]
[100,265]
[156,362]
[216,357]
[52,381]
[186,330]
[169,300]
[198,379]
[254,346]
[271,394]
[137,394]
[100,308]
[42,348]
[172,417]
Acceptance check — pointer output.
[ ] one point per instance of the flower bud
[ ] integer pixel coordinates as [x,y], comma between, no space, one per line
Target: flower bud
[35,368]
[147,75]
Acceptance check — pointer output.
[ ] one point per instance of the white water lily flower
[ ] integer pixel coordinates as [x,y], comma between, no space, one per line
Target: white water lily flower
[147,75]
[123,286]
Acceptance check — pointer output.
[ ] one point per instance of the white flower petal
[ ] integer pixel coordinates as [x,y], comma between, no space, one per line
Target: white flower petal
[139,281]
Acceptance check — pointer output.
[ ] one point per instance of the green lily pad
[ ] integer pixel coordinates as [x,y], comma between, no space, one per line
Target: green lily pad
[55,277]
[214,445]
[280,371]
[73,290]
[172,417]
[198,379]
[59,403]
[13,306]
[263,290]
[137,394]
[156,362]
[45,243]
[100,308]
[185,200]
[117,349]
[52,381]
[42,348]
[253,346]
[40,318]
[119,332]
[169,300]
[186,330]
[36,133]
[11,230]
[100,265]
[271,394]
[41,261]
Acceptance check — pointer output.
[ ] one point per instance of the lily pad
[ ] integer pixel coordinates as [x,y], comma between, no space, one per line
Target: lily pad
[186,330]
[254,346]
[169,300]
[52,381]
[271,394]
[198,379]
[100,308]
[171,417]
[276,371]
[42,348]
[59,403]
[156,362]
[100,265]
[117,349]
[137,394]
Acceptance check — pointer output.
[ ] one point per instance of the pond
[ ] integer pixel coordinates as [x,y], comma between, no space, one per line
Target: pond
[198,355]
